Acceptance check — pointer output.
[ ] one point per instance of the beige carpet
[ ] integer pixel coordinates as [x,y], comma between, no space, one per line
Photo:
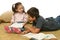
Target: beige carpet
[13,36]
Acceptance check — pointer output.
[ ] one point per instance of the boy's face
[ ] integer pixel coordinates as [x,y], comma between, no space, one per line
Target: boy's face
[30,18]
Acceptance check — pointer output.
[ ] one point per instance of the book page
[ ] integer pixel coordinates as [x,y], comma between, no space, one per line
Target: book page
[38,36]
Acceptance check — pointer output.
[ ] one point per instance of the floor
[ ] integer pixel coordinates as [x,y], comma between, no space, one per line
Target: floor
[12,36]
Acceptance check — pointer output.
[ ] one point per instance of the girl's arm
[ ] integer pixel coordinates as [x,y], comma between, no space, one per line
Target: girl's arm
[25,18]
[12,20]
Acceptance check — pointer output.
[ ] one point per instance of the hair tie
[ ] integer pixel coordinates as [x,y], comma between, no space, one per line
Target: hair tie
[13,5]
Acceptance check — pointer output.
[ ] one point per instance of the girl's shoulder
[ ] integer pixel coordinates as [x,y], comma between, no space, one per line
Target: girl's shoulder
[24,13]
[15,13]
[20,14]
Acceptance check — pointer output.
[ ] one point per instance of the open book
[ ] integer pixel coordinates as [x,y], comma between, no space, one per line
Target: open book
[39,36]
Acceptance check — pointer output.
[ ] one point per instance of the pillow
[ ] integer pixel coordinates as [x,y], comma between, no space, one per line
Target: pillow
[0,19]
[6,17]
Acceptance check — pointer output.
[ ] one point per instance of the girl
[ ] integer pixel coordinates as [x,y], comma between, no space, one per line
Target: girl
[18,19]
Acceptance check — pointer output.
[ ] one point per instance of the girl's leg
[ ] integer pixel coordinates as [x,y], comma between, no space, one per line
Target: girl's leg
[17,30]
[7,29]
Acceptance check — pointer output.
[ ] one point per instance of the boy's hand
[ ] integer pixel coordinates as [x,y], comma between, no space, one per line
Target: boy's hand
[25,32]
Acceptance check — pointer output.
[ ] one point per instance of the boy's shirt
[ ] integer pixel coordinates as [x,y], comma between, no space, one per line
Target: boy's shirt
[39,22]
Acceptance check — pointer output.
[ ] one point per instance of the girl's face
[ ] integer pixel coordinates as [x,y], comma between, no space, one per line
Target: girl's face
[20,8]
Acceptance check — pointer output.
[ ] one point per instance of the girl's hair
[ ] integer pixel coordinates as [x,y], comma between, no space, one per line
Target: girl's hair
[33,12]
[14,7]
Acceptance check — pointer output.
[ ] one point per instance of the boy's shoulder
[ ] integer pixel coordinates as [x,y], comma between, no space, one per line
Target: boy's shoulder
[40,18]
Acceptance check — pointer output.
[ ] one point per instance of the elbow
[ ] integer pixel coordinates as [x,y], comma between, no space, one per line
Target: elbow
[36,31]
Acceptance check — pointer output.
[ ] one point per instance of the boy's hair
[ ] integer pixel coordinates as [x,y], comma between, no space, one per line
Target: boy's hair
[14,6]
[33,12]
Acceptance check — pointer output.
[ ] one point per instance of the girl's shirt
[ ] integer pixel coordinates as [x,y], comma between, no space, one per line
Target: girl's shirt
[19,17]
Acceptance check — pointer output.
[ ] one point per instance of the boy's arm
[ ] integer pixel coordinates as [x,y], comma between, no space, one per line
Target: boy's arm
[33,29]
[36,28]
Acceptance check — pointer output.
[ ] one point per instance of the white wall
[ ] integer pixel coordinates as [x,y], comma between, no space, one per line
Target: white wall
[47,8]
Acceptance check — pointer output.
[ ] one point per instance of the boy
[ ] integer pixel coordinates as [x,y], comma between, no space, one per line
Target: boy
[35,20]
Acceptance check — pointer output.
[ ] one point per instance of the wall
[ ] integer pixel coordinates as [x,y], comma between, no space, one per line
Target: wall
[47,8]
